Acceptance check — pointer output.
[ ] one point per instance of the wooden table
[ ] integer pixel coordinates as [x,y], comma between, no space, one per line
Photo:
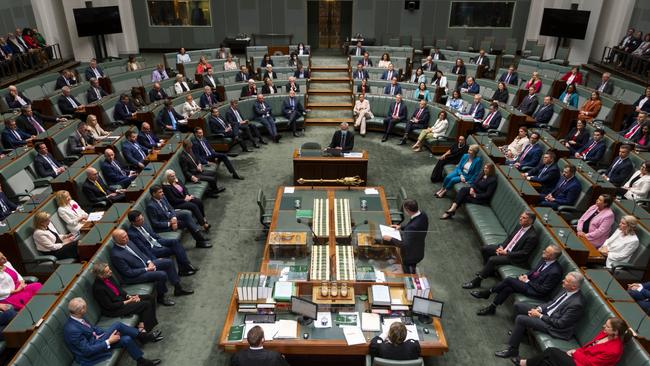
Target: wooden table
[328,167]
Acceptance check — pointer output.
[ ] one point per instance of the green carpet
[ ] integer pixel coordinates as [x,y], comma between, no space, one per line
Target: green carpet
[192,326]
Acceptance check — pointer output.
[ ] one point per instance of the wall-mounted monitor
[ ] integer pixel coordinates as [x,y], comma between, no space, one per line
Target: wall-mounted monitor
[481,14]
[564,23]
[96,21]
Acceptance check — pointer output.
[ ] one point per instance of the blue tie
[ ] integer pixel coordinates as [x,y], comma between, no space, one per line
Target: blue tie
[171,116]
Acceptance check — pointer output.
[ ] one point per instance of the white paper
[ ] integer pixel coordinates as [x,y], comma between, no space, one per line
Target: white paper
[370,322]
[381,276]
[95,216]
[387,230]
[289,189]
[369,191]
[287,329]
[320,316]
[354,335]
[353,155]
[412,332]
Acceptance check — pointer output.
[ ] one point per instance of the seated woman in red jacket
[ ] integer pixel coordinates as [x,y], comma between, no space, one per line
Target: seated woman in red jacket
[573,76]
[604,350]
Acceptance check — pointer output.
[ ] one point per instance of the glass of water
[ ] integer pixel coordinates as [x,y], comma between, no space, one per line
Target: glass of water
[545,217]
[21,208]
[561,234]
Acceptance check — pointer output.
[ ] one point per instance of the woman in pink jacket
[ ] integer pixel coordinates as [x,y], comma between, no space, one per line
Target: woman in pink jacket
[596,223]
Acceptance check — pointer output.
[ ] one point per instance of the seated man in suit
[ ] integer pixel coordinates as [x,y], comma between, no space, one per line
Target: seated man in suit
[243,75]
[476,109]
[342,139]
[98,192]
[605,85]
[33,122]
[419,120]
[46,165]
[640,292]
[594,150]
[538,283]
[249,90]
[143,236]
[157,93]
[81,140]
[125,110]
[394,345]
[134,154]
[66,78]
[220,127]
[292,109]
[147,139]
[491,121]
[169,120]
[137,266]
[292,85]
[389,73]
[93,70]
[301,73]
[6,206]
[264,115]
[194,172]
[242,127]
[545,173]
[12,137]
[396,113]
[635,130]
[622,167]
[413,233]
[366,61]
[360,73]
[16,99]
[514,250]
[557,318]
[95,92]
[566,191]
[208,99]
[544,113]
[529,104]
[358,50]
[114,173]
[530,155]
[68,104]
[209,80]
[510,77]
[256,355]
[163,217]
[470,86]
[206,153]
[91,345]
[393,88]
[640,105]
[482,59]
[429,65]
[269,73]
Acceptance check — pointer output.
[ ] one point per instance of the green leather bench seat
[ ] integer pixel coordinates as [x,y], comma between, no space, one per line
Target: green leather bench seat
[275,102]
[634,354]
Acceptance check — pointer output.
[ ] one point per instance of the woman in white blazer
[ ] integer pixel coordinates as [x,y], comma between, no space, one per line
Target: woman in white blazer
[48,241]
[180,86]
[638,186]
[70,212]
[621,246]
[190,106]
[438,129]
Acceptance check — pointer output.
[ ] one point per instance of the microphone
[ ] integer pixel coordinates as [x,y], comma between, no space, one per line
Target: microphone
[608,284]
[643,318]
[29,312]
[509,169]
[31,197]
[60,280]
[633,205]
[99,232]
[314,236]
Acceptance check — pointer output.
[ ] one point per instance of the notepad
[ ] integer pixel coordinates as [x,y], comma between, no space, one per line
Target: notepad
[369,191]
[95,216]
[380,295]
[236,333]
[370,322]
[287,329]
[354,335]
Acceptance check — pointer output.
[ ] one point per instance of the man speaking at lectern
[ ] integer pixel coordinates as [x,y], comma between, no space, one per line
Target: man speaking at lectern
[343,139]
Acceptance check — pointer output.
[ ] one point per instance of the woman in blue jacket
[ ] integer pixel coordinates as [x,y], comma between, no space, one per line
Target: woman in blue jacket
[569,96]
[466,171]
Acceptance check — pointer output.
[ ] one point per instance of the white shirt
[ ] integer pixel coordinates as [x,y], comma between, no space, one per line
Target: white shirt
[230,66]
[439,128]
[183,59]
[7,283]
[620,248]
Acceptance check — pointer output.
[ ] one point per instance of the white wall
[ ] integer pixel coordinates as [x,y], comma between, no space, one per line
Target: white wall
[614,20]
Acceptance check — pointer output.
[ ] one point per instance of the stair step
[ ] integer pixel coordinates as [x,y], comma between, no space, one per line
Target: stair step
[330,105]
[329,68]
[330,91]
[327,121]
[330,80]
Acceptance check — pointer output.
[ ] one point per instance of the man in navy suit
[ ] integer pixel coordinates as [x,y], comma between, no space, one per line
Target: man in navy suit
[46,165]
[389,73]
[116,175]
[640,105]
[94,71]
[419,120]
[243,75]
[220,127]
[12,137]
[95,92]
[137,266]
[124,110]
[538,283]
[241,126]
[16,99]
[33,122]
[515,249]
[143,236]
[91,345]
[170,120]
[530,155]
[358,50]
[529,104]
[510,77]
[476,110]
[566,190]
[546,173]
[360,73]
[342,139]
[544,113]
[292,109]
[157,93]
[393,88]
[635,130]
[396,114]
[68,104]
[470,86]
[413,233]
[491,121]
[206,153]
[264,114]
[134,154]
[621,169]
[66,78]
[640,292]
[208,99]
[365,61]
[594,149]
[147,138]
[6,206]
[164,217]
[301,73]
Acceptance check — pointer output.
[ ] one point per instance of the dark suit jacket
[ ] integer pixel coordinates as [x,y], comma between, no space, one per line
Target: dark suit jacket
[609,86]
[460,70]
[532,156]
[484,188]
[485,61]
[113,175]
[548,179]
[473,89]
[568,193]
[128,265]
[143,140]
[74,142]
[206,101]
[272,75]
[543,115]
[514,78]
[267,89]
[398,89]
[189,163]
[546,281]
[413,234]
[580,140]
[645,108]
[111,305]
[401,113]
[349,141]
[521,251]
[206,82]
[90,74]
[24,124]
[174,197]
[10,141]
[157,95]
[440,56]
[353,50]
[158,217]
[14,104]
[60,82]
[296,87]
[565,317]
[260,357]
[200,153]
[10,206]
[385,75]
[123,112]
[257,107]
[164,119]
[247,92]
[243,78]
[93,193]
[495,121]
[480,111]
[596,153]
[43,168]
[365,63]
[360,89]
[636,134]
[501,95]
[64,104]
[136,237]
[82,343]
[131,154]
[286,107]
[408,350]
[91,95]
[305,74]
[528,105]
[621,173]
[424,117]
[363,74]
[430,67]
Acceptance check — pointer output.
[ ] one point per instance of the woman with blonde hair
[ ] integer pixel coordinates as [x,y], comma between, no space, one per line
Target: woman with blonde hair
[622,244]
[190,106]
[362,112]
[13,289]
[466,171]
[535,82]
[48,241]
[94,128]
[180,86]
[70,212]
[230,65]
[179,198]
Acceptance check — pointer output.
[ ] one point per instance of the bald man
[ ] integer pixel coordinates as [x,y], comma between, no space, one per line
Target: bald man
[98,192]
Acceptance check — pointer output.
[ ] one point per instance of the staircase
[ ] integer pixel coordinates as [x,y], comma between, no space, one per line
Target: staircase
[329,95]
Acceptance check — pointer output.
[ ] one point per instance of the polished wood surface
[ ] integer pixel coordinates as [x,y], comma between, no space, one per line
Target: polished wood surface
[329,167]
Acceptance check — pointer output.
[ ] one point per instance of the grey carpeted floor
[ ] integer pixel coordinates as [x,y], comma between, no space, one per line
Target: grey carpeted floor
[192,326]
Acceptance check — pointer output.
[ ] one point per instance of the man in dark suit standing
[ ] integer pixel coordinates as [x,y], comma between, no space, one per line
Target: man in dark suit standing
[46,165]
[566,191]
[16,99]
[546,173]
[557,318]
[342,139]
[241,126]
[147,139]
[413,233]
[544,113]
[419,120]
[97,192]
[114,173]
[206,153]
[256,355]
[194,171]
[6,206]
[538,283]
[221,128]
[396,114]
[621,169]
[360,73]
[292,109]
[94,71]
[95,92]
[514,250]
[594,149]
[157,93]
[510,77]
[529,104]
[33,122]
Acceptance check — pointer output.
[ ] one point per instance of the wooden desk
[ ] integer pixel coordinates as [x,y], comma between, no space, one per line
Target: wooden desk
[321,167]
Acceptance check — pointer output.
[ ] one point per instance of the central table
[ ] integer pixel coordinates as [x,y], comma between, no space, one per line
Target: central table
[311,164]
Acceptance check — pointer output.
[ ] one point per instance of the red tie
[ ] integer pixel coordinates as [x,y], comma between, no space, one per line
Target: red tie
[486,122]
[587,150]
[632,131]
[526,150]
[417,116]
[395,110]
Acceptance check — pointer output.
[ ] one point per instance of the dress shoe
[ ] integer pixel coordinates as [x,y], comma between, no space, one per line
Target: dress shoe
[263,142]
[508,352]
[232,155]
[516,360]
[148,337]
[237,176]
[180,291]
[186,272]
[192,267]
[246,150]
[203,244]
[165,301]
[488,310]
[402,142]
[278,137]
[476,282]
[145,362]
[219,190]
[255,145]
[296,134]
[384,139]
[481,294]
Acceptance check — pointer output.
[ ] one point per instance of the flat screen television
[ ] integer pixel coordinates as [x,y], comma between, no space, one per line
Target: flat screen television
[564,23]
[96,21]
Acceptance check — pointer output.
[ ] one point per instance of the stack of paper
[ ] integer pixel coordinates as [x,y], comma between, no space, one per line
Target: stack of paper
[283,291]
[387,230]
[380,295]
[287,329]
[370,322]
[354,335]
[369,191]
[95,216]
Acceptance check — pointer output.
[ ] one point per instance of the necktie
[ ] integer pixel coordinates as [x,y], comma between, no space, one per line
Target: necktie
[392,90]
[523,154]
[84,322]
[135,254]
[557,189]
[588,149]
[618,161]
[205,148]
[16,134]
[99,95]
[151,141]
[417,116]
[150,239]
[99,186]
[173,119]
[543,171]
[72,102]
[556,303]
[291,103]
[142,155]
[539,270]
[396,111]
[486,122]
[343,139]
[51,162]
[632,131]
[507,78]
[3,206]
[118,167]
[237,115]
[514,240]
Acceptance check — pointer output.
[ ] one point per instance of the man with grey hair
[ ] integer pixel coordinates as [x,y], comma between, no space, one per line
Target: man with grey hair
[69,105]
[514,250]
[556,318]
[538,283]
[343,139]
[95,92]
[605,85]
[91,345]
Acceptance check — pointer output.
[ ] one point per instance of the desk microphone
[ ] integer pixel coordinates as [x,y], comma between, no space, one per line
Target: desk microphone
[608,284]
[31,315]
[60,279]
[633,205]
[509,170]
[314,236]
[31,197]
[640,323]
